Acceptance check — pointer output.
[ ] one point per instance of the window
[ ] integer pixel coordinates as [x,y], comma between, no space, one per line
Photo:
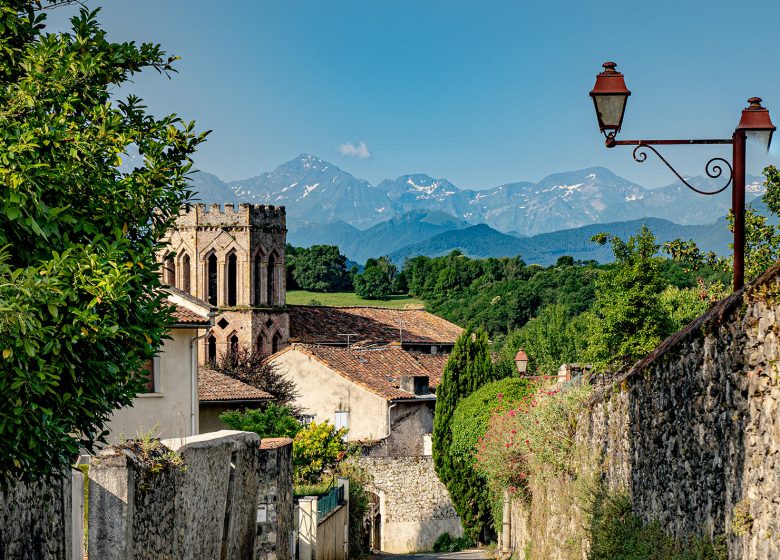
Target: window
[232,269]
[258,278]
[233,344]
[170,272]
[342,421]
[185,273]
[211,279]
[261,343]
[276,343]
[211,349]
[271,274]
[151,375]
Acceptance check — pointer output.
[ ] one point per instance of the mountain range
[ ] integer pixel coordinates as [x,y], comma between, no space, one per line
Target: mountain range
[419,213]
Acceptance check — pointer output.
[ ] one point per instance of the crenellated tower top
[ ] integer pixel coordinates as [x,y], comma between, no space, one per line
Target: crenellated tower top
[266,217]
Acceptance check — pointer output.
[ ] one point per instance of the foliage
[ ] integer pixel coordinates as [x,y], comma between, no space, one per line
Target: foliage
[617,533]
[532,439]
[445,543]
[320,268]
[762,237]
[253,368]
[468,368]
[377,279]
[550,339]
[317,449]
[274,421]
[82,308]
[470,421]
[359,503]
[314,489]
[683,305]
[630,318]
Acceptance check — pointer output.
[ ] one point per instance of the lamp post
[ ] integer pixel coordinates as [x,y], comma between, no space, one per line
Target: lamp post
[610,96]
[521,362]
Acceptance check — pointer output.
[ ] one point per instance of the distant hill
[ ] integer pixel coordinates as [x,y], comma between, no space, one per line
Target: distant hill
[482,241]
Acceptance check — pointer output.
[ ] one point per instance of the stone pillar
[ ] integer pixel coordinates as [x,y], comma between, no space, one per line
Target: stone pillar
[110,506]
[275,523]
[307,528]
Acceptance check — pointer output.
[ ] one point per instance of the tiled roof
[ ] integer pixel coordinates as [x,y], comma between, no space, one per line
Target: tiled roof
[433,364]
[312,324]
[217,387]
[378,369]
[184,316]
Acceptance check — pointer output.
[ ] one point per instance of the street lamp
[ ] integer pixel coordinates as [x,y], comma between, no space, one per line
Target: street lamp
[521,361]
[610,96]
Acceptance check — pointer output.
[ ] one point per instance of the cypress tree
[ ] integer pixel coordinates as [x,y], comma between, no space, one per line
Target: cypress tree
[468,368]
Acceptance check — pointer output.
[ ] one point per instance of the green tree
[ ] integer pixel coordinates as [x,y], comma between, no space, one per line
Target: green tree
[468,368]
[377,279]
[317,449]
[254,369]
[81,306]
[550,339]
[762,237]
[273,421]
[320,268]
[631,320]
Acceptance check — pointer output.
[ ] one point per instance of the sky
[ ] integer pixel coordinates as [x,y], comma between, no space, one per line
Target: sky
[481,93]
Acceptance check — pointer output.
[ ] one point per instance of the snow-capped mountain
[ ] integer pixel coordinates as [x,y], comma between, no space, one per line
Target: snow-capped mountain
[317,192]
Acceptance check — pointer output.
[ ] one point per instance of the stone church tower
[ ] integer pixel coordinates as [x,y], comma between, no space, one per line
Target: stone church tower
[234,260]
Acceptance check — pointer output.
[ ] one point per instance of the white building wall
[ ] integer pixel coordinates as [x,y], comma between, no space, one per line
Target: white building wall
[324,392]
[168,411]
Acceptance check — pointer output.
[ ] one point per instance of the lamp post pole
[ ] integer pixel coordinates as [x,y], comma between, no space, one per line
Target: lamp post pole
[610,96]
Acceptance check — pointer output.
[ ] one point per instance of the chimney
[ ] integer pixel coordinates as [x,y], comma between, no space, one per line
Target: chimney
[415,384]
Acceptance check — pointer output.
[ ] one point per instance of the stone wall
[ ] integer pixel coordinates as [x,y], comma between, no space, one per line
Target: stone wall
[142,506]
[37,520]
[410,421]
[691,433]
[275,492]
[414,505]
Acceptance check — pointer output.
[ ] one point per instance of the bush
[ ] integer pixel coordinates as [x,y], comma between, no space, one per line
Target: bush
[445,543]
[274,421]
[317,449]
[470,421]
[616,533]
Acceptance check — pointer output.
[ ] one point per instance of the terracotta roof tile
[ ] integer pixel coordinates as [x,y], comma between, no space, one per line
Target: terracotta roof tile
[215,387]
[184,316]
[433,364]
[311,324]
[378,369]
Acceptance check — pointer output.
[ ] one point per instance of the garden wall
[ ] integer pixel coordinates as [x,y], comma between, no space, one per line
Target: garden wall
[275,499]
[691,433]
[414,505]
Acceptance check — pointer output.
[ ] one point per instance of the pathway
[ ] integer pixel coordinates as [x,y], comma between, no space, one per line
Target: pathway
[474,554]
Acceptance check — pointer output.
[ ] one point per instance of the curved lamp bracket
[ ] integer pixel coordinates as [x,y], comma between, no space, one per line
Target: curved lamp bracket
[713,168]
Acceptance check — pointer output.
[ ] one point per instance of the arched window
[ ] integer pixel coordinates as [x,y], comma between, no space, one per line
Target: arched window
[233,342]
[271,275]
[276,343]
[261,343]
[257,277]
[211,349]
[170,272]
[185,273]
[211,279]
[232,270]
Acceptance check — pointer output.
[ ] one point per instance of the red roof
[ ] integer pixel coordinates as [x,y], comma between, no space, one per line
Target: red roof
[184,316]
[377,369]
[217,387]
[312,324]
[433,364]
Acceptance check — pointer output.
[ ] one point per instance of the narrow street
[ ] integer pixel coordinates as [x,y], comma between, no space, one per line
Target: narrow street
[474,554]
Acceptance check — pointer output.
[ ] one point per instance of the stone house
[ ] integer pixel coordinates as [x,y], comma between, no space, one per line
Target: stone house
[169,407]
[382,394]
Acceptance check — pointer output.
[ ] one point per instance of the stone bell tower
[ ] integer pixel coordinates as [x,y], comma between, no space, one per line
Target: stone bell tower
[235,260]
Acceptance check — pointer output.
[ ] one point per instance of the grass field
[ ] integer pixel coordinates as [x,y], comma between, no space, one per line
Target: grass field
[302,297]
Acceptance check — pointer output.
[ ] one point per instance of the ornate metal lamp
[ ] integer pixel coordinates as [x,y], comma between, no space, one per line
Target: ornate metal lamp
[609,98]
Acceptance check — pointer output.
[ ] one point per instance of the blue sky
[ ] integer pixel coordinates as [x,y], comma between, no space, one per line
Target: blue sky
[480,93]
